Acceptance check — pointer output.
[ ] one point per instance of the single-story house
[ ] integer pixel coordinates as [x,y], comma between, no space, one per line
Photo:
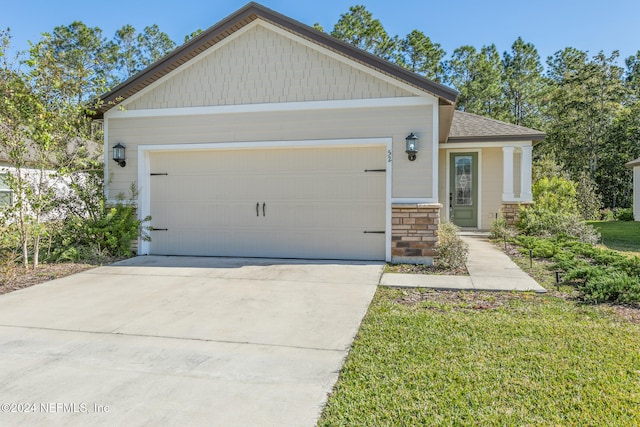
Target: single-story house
[635,166]
[263,137]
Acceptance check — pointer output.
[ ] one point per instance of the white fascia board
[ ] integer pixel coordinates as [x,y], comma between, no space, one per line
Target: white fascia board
[411,101]
[487,144]
[320,143]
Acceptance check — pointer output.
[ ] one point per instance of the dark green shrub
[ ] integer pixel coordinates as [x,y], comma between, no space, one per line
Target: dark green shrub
[624,214]
[101,231]
[615,286]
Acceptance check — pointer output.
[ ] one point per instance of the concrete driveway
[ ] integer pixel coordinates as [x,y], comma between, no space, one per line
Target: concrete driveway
[181,341]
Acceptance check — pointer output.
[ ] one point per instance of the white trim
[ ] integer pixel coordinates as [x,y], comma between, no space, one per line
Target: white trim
[508,194]
[144,169]
[388,211]
[412,101]
[435,153]
[467,145]
[413,201]
[526,161]
[296,38]
[448,182]
[106,157]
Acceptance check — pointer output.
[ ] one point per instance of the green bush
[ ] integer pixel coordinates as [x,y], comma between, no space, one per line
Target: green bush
[555,212]
[607,215]
[600,274]
[109,232]
[624,214]
[501,229]
[615,286]
[452,251]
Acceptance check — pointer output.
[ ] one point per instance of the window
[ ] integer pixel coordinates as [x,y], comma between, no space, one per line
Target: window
[6,195]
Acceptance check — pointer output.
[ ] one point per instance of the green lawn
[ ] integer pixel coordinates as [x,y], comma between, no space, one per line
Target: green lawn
[492,359]
[619,235]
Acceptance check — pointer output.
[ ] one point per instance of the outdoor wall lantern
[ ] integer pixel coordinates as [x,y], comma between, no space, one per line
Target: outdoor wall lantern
[412,146]
[119,154]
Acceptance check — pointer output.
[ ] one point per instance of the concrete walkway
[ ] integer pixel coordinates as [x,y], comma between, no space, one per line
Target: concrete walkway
[490,269]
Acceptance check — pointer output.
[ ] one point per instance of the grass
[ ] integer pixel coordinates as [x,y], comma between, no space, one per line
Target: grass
[494,359]
[619,235]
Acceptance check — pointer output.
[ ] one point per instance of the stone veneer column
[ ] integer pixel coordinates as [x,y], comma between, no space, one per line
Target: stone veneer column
[414,232]
[511,210]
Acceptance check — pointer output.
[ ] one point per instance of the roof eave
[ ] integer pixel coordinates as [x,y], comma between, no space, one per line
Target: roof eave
[632,164]
[243,16]
[535,138]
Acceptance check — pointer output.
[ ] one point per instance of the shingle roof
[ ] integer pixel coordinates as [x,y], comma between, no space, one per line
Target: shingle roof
[241,18]
[633,163]
[467,127]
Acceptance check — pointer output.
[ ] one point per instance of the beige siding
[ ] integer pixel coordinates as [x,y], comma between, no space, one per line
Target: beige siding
[410,179]
[262,66]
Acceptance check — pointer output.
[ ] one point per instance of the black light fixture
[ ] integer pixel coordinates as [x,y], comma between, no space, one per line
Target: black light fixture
[119,154]
[412,146]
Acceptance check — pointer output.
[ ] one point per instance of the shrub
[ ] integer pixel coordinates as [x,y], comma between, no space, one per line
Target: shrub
[624,214]
[452,251]
[501,229]
[556,195]
[540,222]
[614,286]
[108,233]
[607,215]
[600,274]
[556,212]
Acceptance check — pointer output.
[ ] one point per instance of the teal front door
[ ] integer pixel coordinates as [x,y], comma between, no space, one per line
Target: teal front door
[463,196]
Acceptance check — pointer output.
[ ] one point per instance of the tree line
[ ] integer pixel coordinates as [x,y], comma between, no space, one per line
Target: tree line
[589,106]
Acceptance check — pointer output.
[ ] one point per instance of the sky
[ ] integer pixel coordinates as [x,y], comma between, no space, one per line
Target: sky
[551,25]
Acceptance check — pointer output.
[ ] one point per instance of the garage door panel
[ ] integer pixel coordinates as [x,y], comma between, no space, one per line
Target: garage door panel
[317,203]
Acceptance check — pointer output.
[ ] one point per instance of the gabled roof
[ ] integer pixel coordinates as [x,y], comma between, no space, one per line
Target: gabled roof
[633,163]
[241,18]
[467,127]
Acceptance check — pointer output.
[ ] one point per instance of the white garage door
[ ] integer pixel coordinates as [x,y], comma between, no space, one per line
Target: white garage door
[291,203]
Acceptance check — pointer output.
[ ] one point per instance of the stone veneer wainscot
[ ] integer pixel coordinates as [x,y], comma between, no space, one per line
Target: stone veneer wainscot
[414,232]
[511,210]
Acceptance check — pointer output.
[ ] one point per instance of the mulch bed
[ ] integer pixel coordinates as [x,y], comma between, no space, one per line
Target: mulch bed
[15,277]
[425,269]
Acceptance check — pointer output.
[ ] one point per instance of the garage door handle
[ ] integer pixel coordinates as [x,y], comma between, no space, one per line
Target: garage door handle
[264,206]
[258,209]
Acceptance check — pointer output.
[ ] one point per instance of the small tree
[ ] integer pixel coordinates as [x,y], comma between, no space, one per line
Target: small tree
[555,212]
